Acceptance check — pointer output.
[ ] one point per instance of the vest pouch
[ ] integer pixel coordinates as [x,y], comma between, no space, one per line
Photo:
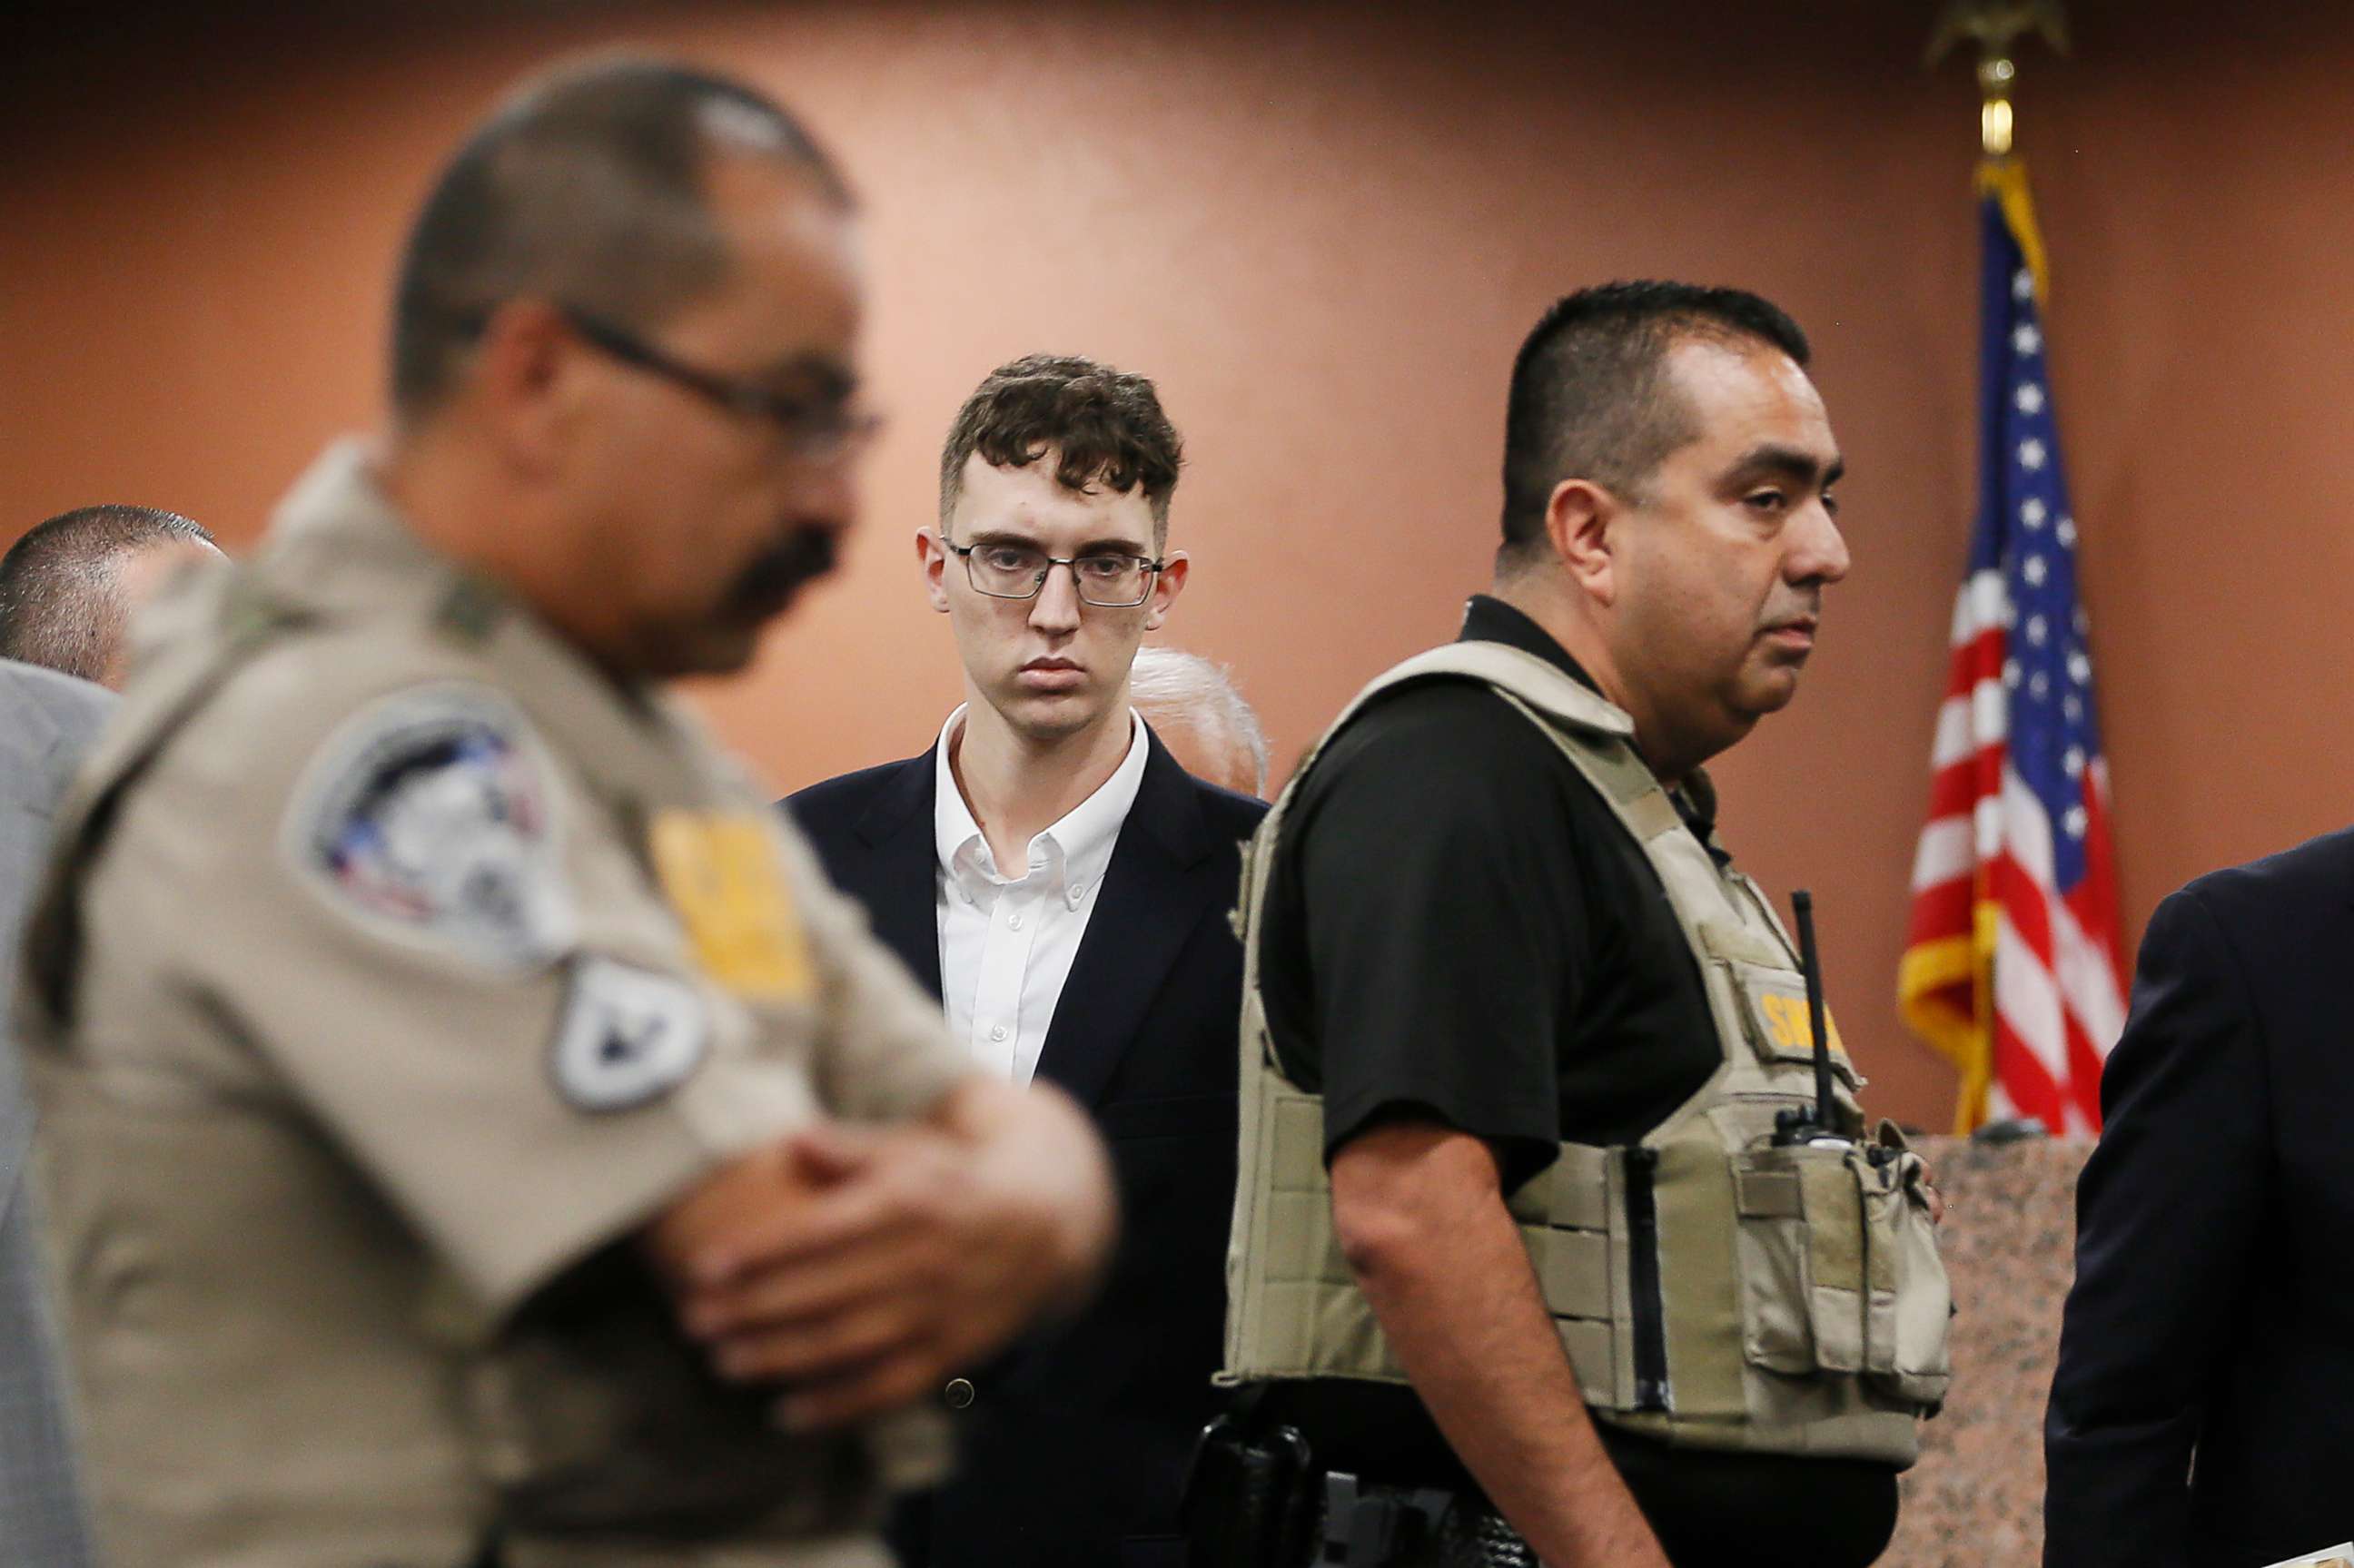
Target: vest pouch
[1911,1303]
[1801,1248]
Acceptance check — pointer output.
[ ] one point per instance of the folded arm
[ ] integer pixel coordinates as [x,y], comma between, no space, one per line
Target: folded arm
[863,1266]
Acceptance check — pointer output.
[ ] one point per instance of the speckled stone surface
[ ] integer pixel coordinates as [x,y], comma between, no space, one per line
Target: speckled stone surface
[1975,1499]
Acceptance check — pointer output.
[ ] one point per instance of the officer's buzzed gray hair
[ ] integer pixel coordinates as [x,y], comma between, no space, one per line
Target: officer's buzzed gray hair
[61,603]
[586,189]
[1195,692]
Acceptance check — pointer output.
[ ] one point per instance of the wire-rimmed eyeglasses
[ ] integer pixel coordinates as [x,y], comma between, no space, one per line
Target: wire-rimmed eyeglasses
[1108,579]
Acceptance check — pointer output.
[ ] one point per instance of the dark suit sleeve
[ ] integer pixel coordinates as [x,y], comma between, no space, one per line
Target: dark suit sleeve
[2166,1213]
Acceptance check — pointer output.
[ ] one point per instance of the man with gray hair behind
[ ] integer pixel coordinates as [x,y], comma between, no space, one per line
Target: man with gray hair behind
[69,588]
[1194,705]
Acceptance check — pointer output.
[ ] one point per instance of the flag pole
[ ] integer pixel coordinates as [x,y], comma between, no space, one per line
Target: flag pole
[1997,24]
[1997,27]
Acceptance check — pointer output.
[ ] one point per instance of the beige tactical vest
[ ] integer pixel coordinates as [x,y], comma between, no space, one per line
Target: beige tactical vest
[1711,1289]
[275,1367]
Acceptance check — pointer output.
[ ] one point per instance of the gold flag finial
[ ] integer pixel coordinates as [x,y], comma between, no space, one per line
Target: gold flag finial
[1997,24]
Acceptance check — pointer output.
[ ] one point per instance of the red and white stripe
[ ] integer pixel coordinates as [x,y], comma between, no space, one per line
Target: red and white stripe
[2059,1002]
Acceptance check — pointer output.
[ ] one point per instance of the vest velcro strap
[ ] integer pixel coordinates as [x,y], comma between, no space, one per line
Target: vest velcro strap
[1736,946]
[1575,1189]
[1573,1268]
[1652,814]
[1592,1346]
[1768,1194]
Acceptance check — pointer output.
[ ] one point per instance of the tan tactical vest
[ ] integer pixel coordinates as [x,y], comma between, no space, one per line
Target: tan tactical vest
[1711,1288]
[215,1245]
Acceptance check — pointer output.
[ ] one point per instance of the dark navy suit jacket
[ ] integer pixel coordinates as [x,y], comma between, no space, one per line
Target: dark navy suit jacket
[2202,1415]
[1075,1445]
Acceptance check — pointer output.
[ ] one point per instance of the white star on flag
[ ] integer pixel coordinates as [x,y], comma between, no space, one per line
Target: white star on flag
[2010,671]
[2029,397]
[2073,821]
[2032,511]
[2074,762]
[2080,668]
[2074,709]
[2067,532]
[2038,629]
[2032,569]
[2039,685]
[2030,453]
[2027,340]
[2022,284]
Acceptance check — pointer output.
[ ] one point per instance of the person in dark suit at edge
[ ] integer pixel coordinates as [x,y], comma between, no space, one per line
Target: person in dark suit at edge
[2202,1409]
[1064,886]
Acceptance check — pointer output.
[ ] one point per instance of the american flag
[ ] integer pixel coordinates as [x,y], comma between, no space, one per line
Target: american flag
[2011,967]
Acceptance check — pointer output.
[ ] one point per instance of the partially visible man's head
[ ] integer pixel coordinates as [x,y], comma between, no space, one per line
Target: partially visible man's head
[1055,458]
[69,588]
[633,299]
[1667,454]
[1195,708]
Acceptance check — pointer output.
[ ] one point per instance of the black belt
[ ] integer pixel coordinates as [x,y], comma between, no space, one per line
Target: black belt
[1263,1500]
[1369,1525]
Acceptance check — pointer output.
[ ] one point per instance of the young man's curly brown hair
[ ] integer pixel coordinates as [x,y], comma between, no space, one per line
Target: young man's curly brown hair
[1105,427]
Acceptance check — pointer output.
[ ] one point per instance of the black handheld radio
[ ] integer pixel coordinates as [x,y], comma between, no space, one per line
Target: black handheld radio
[1817,1123]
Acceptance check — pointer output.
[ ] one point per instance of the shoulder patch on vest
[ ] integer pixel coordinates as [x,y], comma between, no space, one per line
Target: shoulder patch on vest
[429,816]
[628,1035]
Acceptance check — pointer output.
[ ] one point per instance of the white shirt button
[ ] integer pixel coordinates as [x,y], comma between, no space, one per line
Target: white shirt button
[1013,922]
[998,1033]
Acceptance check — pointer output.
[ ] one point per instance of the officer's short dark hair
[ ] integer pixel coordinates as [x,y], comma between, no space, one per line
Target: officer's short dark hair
[60,590]
[1590,396]
[586,188]
[1105,427]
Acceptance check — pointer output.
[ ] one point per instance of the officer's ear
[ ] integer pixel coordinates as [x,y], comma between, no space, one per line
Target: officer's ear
[526,381]
[1581,518]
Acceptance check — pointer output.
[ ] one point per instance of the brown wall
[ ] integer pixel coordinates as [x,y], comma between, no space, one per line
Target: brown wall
[1324,232]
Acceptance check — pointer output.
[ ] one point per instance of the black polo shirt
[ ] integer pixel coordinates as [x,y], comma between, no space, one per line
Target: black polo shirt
[1458,929]
[1458,914]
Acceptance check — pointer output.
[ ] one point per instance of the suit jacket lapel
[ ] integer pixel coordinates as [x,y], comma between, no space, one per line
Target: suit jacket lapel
[900,896]
[1152,897]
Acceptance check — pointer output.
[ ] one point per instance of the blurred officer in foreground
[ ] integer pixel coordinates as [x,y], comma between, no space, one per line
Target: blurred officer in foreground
[1580,1284]
[479,1135]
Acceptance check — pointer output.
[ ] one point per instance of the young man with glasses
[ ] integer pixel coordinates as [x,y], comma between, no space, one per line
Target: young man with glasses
[1051,873]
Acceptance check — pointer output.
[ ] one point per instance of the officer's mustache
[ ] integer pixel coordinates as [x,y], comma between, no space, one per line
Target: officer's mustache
[775,575]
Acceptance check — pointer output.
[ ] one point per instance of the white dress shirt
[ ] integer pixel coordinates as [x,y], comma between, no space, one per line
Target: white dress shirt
[1007,943]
